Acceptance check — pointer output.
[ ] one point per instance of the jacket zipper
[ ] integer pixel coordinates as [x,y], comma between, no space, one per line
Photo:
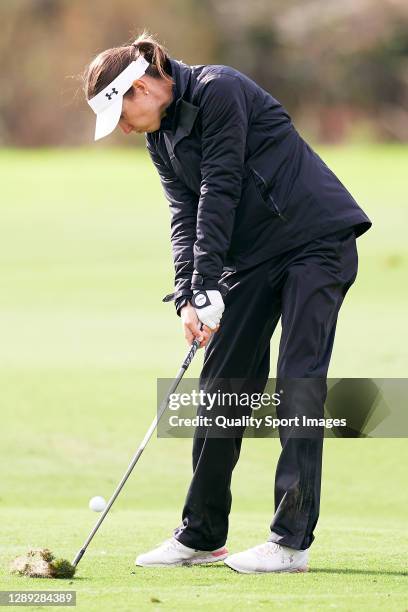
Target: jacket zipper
[278,212]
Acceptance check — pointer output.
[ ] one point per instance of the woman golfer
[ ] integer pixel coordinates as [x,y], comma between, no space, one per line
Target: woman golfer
[261,230]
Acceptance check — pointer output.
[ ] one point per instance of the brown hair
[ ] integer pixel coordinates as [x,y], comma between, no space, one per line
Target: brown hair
[110,63]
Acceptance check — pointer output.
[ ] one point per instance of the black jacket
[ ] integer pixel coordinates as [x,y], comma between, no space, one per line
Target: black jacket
[242,184]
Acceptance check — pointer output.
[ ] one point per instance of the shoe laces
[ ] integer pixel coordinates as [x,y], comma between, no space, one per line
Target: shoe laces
[170,544]
[269,549]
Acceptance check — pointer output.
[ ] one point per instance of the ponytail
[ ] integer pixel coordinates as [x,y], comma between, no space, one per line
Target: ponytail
[110,63]
[154,53]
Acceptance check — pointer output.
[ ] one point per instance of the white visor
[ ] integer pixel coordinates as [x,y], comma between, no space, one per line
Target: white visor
[107,104]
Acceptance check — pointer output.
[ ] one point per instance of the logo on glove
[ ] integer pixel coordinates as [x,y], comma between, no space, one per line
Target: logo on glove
[200,300]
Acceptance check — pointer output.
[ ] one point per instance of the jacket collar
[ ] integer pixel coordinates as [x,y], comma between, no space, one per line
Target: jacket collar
[180,113]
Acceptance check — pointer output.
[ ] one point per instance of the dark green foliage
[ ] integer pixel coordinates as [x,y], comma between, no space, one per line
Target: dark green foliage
[62,568]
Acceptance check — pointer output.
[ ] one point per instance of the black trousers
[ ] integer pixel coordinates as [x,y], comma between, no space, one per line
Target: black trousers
[305,287]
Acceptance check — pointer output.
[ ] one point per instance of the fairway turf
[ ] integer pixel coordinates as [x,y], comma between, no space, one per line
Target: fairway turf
[86,259]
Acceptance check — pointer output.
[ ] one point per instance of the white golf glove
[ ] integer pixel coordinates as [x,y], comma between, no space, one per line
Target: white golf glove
[209,306]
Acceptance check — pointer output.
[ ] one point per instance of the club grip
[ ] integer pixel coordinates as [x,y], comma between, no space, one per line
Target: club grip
[193,349]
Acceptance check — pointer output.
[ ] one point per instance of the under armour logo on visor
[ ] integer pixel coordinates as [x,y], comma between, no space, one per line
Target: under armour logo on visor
[109,95]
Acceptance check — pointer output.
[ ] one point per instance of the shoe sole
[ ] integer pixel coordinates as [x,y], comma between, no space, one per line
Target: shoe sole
[299,570]
[187,562]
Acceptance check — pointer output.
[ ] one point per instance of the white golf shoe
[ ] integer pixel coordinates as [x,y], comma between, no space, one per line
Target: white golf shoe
[173,553]
[269,557]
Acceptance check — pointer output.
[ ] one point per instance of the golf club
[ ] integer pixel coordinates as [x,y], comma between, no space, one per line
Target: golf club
[187,360]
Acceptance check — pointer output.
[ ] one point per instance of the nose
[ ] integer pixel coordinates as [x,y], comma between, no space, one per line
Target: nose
[125,127]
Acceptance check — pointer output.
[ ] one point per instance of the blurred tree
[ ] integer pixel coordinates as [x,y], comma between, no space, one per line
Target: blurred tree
[47,43]
[332,64]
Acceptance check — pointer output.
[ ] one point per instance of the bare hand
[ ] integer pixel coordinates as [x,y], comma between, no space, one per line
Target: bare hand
[191,325]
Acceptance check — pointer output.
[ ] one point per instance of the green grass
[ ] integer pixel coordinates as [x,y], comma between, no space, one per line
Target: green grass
[85,260]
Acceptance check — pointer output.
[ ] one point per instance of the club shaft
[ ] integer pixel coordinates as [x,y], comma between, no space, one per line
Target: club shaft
[187,360]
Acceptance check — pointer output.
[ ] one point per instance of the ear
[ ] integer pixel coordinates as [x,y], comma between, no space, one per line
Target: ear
[138,84]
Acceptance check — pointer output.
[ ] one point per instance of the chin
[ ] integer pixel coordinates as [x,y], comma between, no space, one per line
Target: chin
[156,127]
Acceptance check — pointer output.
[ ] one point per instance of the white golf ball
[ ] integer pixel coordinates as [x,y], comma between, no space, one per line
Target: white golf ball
[97,504]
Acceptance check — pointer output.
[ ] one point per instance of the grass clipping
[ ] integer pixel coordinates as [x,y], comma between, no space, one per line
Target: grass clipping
[41,563]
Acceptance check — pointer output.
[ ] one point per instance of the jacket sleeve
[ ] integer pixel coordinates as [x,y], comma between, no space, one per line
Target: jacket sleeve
[183,208]
[224,133]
